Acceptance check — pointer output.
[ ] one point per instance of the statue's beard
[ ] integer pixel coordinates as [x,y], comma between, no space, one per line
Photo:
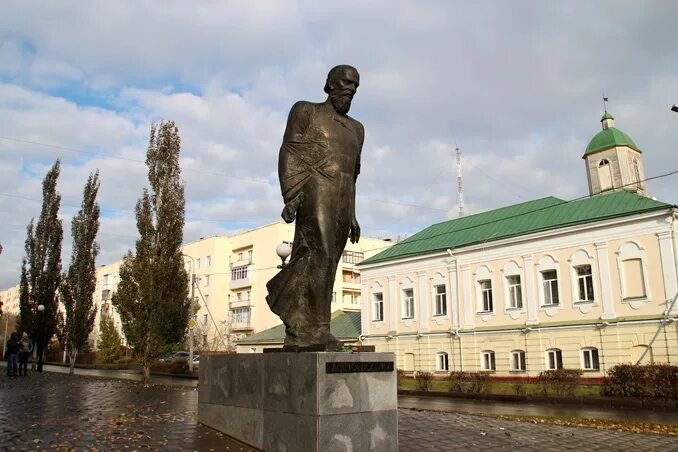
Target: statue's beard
[341,102]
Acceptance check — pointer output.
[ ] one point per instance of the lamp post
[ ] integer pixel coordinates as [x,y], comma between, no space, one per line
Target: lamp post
[41,334]
[283,251]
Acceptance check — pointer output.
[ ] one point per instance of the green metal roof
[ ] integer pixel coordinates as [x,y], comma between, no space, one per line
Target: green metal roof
[517,220]
[343,325]
[609,138]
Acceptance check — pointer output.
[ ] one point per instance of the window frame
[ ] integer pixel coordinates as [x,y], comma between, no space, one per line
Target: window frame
[551,283]
[522,361]
[557,359]
[584,284]
[442,362]
[488,361]
[378,307]
[592,354]
[486,296]
[514,301]
[437,297]
[408,302]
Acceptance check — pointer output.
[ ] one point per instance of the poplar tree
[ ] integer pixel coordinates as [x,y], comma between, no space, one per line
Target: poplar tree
[78,285]
[41,268]
[152,295]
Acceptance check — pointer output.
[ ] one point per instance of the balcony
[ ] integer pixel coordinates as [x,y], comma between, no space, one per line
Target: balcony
[242,303]
[240,277]
[241,325]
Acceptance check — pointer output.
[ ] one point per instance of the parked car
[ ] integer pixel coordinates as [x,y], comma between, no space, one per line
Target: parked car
[174,357]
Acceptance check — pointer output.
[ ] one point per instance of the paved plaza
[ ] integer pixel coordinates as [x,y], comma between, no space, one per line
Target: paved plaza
[57,412]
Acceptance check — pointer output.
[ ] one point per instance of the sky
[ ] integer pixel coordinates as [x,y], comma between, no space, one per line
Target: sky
[516,85]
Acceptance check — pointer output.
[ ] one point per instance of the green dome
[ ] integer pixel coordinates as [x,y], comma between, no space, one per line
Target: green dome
[606,116]
[609,138]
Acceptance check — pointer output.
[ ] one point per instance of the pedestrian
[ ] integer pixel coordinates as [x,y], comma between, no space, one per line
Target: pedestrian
[12,351]
[25,350]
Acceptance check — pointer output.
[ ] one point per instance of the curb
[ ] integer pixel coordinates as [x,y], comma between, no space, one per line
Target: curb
[613,402]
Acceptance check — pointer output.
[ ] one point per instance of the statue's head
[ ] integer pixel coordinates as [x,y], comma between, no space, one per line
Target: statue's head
[341,85]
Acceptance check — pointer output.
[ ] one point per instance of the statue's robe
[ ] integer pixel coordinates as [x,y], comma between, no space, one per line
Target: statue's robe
[318,165]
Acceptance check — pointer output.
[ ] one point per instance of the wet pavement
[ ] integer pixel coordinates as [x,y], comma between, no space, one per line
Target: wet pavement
[53,411]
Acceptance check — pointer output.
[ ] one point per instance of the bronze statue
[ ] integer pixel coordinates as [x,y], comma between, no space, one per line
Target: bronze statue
[318,166]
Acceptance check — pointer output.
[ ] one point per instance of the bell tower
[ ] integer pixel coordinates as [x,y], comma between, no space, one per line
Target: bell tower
[614,162]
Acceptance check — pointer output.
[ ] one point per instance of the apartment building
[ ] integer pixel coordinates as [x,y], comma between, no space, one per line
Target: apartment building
[229,277]
[541,285]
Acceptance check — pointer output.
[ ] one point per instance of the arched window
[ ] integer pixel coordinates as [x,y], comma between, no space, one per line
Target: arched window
[636,172]
[517,360]
[487,361]
[605,175]
[554,359]
[408,362]
[589,358]
[442,362]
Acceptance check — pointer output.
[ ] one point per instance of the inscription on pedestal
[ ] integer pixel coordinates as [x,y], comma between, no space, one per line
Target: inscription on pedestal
[344,367]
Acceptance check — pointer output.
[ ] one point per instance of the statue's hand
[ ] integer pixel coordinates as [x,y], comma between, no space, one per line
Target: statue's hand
[290,210]
[354,233]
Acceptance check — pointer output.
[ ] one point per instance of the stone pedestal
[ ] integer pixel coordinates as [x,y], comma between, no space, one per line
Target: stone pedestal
[299,402]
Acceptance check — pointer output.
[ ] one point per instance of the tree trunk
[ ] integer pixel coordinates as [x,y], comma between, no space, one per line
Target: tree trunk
[71,356]
[147,372]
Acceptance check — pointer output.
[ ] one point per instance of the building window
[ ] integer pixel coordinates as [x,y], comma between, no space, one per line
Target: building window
[197,263]
[334,297]
[248,295]
[408,304]
[204,319]
[550,283]
[239,273]
[378,311]
[207,299]
[440,294]
[241,315]
[518,360]
[355,299]
[250,254]
[604,175]
[515,292]
[107,279]
[636,172]
[208,261]
[408,362]
[634,279]
[554,359]
[207,280]
[487,362]
[585,283]
[442,362]
[486,294]
[352,257]
[590,359]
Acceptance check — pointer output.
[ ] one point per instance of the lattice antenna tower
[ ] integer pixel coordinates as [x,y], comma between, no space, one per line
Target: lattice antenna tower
[460,185]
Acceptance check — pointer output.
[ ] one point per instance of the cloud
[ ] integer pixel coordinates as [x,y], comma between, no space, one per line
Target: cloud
[516,85]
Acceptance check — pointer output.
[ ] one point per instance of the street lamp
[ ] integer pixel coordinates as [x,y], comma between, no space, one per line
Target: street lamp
[283,251]
[41,334]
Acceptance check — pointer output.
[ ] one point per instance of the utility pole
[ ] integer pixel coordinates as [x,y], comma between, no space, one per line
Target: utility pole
[460,186]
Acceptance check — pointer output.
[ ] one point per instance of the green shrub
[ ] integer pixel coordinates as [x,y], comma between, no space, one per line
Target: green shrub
[473,382]
[658,381]
[424,380]
[559,382]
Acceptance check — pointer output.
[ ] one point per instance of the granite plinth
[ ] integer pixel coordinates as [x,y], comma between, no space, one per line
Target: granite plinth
[288,402]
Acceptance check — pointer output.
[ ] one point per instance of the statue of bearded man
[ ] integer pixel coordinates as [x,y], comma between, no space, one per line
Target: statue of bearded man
[318,166]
